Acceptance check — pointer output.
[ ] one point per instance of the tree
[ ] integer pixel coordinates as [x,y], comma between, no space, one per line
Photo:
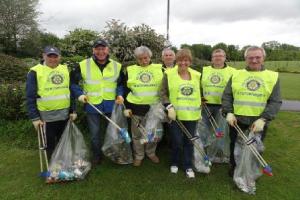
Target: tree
[123,40]
[17,18]
[78,42]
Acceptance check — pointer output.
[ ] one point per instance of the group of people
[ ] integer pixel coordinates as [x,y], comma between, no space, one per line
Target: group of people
[249,97]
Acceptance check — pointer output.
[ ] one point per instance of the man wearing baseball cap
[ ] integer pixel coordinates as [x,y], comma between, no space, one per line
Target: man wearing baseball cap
[101,87]
[48,96]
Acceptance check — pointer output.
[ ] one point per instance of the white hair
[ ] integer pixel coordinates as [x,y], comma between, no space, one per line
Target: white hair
[165,50]
[254,48]
[142,50]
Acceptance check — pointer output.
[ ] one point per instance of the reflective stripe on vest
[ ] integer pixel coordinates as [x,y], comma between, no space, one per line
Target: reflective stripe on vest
[52,87]
[214,81]
[185,94]
[251,91]
[144,83]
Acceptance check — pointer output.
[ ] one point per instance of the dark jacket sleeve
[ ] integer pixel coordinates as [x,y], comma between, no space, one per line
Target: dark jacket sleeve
[273,104]
[227,99]
[164,92]
[31,96]
[120,83]
[75,78]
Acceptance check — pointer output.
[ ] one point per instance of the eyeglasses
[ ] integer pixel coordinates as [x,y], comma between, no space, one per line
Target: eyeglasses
[256,58]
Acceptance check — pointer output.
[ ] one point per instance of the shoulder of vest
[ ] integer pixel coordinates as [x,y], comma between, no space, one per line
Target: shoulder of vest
[113,61]
[194,72]
[34,68]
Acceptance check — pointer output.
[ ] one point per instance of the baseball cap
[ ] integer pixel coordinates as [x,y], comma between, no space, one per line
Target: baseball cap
[100,42]
[51,50]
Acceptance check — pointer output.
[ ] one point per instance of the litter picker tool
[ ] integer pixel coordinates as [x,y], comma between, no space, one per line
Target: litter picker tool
[192,139]
[266,168]
[42,151]
[123,131]
[218,131]
[148,135]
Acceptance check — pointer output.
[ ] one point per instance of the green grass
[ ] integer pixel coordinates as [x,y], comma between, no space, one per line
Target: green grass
[281,66]
[290,86]
[19,168]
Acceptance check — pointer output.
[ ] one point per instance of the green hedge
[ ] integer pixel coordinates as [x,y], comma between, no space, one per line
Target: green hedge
[12,69]
[12,101]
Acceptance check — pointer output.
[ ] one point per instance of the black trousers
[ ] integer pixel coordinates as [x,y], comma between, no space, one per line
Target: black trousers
[233,136]
[54,131]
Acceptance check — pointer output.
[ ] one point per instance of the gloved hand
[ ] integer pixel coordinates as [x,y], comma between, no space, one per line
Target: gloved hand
[37,123]
[73,116]
[230,118]
[171,112]
[127,112]
[82,98]
[203,100]
[119,100]
[258,125]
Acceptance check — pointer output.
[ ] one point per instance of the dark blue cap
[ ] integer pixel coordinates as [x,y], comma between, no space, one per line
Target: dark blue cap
[51,50]
[100,42]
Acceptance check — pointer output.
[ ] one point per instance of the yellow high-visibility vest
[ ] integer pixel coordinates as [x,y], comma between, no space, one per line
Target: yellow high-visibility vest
[52,87]
[214,82]
[144,83]
[98,85]
[185,94]
[251,90]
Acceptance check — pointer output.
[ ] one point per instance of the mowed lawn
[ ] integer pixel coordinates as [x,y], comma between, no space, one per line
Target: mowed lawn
[290,86]
[19,169]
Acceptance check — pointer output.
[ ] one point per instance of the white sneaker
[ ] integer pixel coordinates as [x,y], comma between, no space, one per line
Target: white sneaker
[174,169]
[190,173]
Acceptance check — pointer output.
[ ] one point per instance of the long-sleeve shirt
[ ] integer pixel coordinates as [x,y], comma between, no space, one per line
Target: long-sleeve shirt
[272,107]
[105,106]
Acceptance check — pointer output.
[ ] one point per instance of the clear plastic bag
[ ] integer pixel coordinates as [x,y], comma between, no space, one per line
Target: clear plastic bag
[153,122]
[70,159]
[198,161]
[115,147]
[219,149]
[204,133]
[247,168]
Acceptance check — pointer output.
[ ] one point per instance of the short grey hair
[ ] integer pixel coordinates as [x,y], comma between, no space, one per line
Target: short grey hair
[142,50]
[165,50]
[218,51]
[254,48]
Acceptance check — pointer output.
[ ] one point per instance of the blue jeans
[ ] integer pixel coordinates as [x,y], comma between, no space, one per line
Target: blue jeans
[179,139]
[97,127]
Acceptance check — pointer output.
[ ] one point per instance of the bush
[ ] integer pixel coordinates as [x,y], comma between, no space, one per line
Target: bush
[66,60]
[12,101]
[12,69]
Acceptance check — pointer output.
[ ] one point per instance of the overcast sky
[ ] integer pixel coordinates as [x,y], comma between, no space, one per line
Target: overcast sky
[238,22]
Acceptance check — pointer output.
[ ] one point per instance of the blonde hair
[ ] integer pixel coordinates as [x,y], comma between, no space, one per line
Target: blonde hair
[184,53]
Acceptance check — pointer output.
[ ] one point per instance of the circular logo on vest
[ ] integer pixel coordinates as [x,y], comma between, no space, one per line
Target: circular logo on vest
[56,78]
[253,85]
[215,79]
[145,77]
[186,90]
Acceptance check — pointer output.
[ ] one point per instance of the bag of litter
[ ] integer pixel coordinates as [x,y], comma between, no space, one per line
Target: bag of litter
[204,133]
[70,159]
[153,122]
[219,149]
[247,168]
[116,146]
[199,162]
